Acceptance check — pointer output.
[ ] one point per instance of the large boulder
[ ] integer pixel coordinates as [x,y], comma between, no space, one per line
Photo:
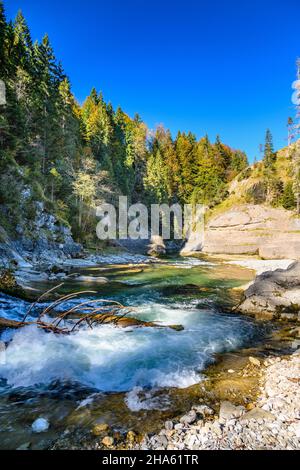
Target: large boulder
[274,295]
[157,246]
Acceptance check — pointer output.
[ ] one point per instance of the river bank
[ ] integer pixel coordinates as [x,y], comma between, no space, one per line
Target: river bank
[272,422]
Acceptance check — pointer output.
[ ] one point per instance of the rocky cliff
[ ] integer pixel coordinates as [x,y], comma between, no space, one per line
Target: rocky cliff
[48,242]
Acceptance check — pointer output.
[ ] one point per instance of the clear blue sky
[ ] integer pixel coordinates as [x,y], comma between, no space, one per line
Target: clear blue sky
[216,67]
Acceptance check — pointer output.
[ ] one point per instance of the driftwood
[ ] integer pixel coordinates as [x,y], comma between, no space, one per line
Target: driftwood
[5,323]
[103,312]
[103,319]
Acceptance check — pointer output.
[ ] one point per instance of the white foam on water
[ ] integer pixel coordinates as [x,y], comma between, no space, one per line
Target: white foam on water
[139,399]
[189,262]
[113,359]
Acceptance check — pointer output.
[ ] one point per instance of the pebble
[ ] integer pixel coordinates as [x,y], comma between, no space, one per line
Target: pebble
[204,410]
[169,425]
[131,437]
[189,418]
[40,425]
[108,441]
[254,361]
[229,411]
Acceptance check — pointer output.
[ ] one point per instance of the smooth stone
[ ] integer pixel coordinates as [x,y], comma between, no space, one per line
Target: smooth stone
[189,418]
[204,410]
[178,426]
[40,425]
[108,441]
[229,411]
[254,361]
[297,430]
[169,425]
[257,414]
[25,446]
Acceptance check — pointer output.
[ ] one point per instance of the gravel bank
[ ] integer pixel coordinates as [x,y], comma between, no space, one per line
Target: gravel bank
[272,423]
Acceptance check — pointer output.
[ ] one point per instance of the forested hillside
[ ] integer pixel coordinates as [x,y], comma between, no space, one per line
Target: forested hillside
[274,181]
[69,157]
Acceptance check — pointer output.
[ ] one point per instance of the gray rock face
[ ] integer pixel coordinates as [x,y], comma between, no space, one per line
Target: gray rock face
[274,294]
[251,230]
[50,243]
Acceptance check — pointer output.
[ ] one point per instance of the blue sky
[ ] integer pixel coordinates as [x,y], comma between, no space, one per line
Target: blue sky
[216,67]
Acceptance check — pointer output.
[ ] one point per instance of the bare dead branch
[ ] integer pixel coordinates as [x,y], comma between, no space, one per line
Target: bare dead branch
[43,296]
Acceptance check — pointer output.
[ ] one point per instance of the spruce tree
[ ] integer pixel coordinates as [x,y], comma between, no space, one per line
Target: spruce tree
[269,154]
[288,200]
[269,166]
[3,28]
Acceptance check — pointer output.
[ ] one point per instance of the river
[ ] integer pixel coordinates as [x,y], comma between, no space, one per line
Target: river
[123,377]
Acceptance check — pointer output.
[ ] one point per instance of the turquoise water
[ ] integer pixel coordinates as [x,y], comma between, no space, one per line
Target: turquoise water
[135,361]
[113,359]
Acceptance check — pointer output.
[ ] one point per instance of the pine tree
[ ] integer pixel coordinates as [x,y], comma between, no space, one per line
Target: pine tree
[296,174]
[288,200]
[23,42]
[185,150]
[3,30]
[269,154]
[269,165]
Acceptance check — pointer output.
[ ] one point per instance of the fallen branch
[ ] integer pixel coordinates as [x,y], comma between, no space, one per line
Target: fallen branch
[109,312]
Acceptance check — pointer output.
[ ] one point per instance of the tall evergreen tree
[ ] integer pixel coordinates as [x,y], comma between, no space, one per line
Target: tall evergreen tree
[269,154]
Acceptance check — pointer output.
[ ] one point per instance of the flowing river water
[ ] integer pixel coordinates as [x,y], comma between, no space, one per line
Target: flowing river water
[125,377]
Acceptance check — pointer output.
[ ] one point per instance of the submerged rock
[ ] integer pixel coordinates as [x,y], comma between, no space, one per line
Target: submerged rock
[92,279]
[25,446]
[99,429]
[131,437]
[254,361]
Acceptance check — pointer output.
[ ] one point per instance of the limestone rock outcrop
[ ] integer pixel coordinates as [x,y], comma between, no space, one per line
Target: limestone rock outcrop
[253,230]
